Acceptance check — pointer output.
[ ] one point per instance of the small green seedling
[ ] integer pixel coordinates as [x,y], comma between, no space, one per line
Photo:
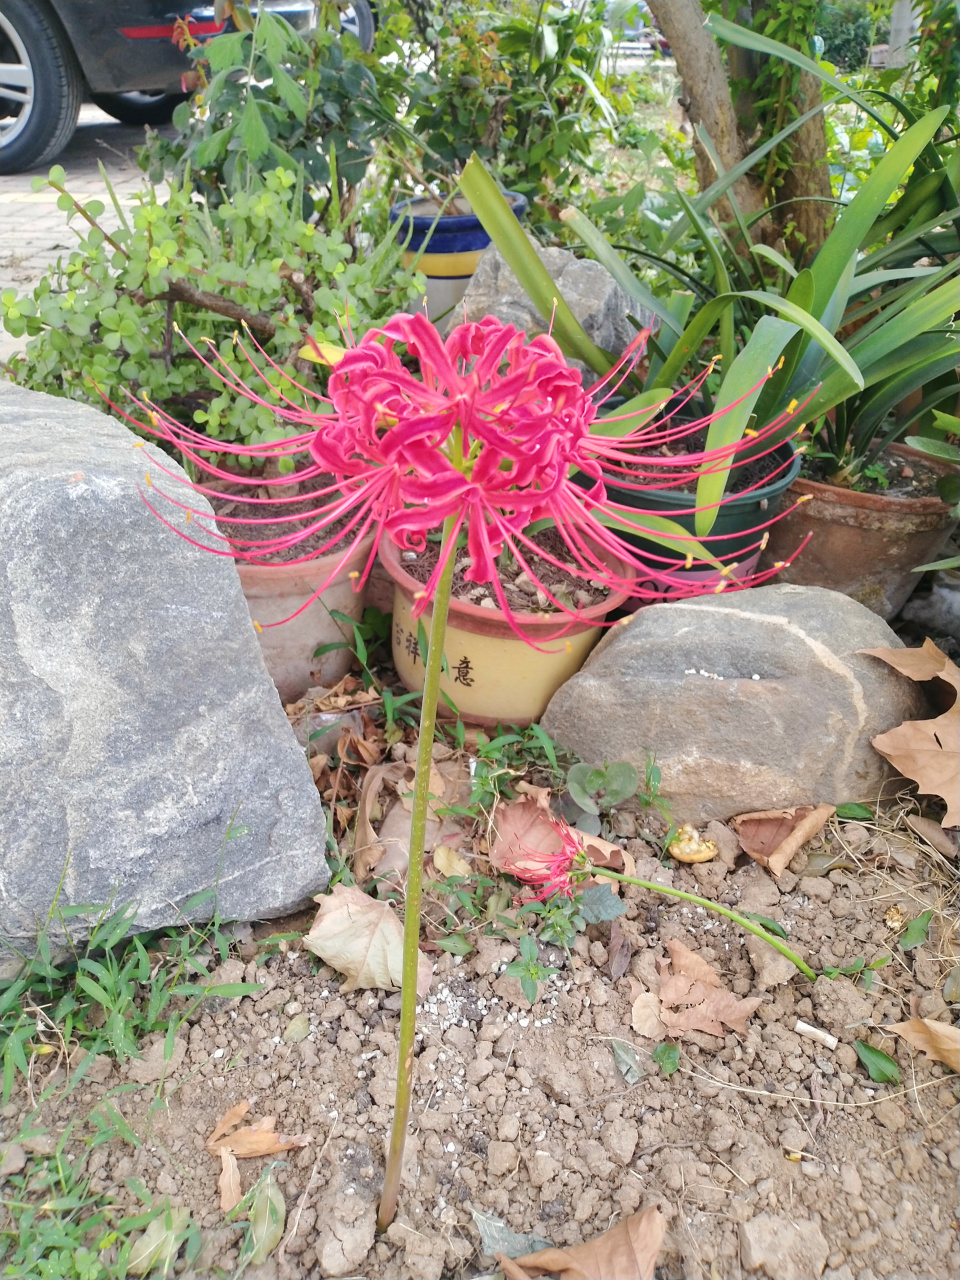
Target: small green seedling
[855,813]
[561,918]
[529,969]
[859,967]
[602,787]
[667,1057]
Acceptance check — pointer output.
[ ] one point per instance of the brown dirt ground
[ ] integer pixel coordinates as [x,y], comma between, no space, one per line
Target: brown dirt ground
[521,1112]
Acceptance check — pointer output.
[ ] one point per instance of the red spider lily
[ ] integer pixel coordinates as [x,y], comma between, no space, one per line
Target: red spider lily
[552,873]
[487,430]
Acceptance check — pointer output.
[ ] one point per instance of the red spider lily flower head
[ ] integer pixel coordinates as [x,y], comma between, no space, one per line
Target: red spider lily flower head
[485,427]
[557,873]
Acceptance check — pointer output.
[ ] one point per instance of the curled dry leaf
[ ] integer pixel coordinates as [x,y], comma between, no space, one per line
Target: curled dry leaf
[619,951]
[934,835]
[773,836]
[627,1251]
[367,848]
[927,751]
[229,1120]
[362,938]
[938,1040]
[229,1182]
[645,1017]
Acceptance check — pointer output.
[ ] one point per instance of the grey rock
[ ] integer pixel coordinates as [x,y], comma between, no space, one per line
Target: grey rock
[799,734]
[770,968]
[592,294]
[785,1250]
[136,715]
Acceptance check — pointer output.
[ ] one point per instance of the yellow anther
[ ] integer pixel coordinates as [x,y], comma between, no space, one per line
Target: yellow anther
[149,481]
[354,573]
[804,497]
[748,431]
[719,587]
[419,595]
[257,626]
[688,563]
[778,564]
[139,444]
[568,646]
[780,363]
[769,372]
[764,540]
[801,448]
[792,406]
[189,516]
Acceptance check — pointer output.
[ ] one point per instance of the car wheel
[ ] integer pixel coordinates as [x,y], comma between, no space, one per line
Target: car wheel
[140,108]
[41,85]
[360,21]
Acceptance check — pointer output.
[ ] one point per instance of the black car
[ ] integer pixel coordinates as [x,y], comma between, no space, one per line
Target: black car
[55,54]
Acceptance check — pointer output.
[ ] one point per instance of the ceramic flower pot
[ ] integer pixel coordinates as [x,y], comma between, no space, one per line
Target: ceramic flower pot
[864,545]
[276,591]
[735,529]
[494,677]
[455,243]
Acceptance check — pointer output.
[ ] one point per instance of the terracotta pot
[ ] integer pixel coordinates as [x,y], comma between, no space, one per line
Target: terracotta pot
[275,591]
[494,677]
[864,545]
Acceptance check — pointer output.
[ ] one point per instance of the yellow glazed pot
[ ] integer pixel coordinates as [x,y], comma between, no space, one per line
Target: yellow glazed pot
[493,676]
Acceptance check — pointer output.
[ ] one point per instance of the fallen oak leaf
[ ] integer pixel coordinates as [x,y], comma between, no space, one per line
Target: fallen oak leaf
[691,965]
[718,1006]
[645,1017]
[246,1144]
[938,1040]
[229,1181]
[926,751]
[934,835]
[773,837]
[367,848]
[362,938]
[448,862]
[627,1251]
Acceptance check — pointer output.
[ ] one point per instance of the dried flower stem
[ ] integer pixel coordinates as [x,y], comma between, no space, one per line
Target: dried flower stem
[411,923]
[750,925]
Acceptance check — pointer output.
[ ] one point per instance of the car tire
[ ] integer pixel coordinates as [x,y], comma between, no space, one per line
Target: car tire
[140,108]
[41,122]
[360,20]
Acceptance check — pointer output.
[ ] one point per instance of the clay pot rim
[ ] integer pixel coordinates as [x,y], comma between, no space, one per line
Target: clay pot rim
[470,617]
[834,494]
[310,571]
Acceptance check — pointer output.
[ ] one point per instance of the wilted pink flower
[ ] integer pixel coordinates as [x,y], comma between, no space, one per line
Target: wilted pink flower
[554,872]
[484,427]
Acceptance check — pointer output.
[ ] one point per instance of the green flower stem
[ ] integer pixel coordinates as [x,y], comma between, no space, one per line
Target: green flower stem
[411,923]
[749,925]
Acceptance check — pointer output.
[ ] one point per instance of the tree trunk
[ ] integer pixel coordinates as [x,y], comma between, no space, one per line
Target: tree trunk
[707,92]
[808,175]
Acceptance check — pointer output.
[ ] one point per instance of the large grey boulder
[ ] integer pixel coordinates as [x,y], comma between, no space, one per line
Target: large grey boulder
[592,294]
[136,716]
[755,700]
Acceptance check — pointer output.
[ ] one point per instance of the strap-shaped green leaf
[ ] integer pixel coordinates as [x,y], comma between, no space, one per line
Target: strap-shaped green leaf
[607,256]
[854,224]
[659,529]
[501,225]
[743,382]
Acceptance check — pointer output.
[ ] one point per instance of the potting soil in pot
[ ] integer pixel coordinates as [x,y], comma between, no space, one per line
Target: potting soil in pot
[522,593]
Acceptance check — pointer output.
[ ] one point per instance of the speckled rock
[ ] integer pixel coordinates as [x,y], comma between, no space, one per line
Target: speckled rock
[755,700]
[137,720]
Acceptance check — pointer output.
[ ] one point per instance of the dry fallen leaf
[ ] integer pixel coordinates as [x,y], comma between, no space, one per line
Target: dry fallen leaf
[645,1016]
[367,848]
[937,1039]
[227,1122]
[688,980]
[934,835]
[229,1183]
[927,751]
[362,938]
[627,1251]
[619,951]
[448,862]
[773,836]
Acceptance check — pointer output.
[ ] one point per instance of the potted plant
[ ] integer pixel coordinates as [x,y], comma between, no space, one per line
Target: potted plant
[851,335]
[493,674]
